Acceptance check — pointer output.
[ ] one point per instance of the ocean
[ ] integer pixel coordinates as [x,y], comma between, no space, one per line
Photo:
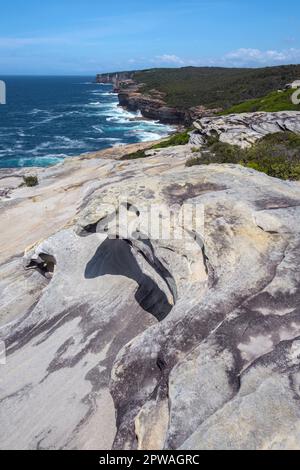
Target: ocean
[47,119]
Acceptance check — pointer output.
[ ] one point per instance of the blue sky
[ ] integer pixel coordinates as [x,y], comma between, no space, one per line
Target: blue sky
[89,36]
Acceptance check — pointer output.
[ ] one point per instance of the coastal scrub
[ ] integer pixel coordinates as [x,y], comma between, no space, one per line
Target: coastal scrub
[277,155]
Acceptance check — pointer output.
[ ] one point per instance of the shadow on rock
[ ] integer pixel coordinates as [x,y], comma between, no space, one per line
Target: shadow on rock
[115,258]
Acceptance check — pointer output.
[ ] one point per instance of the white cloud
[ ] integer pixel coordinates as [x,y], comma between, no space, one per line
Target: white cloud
[244,56]
[169,59]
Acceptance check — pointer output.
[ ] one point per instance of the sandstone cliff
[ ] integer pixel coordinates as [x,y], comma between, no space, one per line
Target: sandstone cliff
[113,78]
[152,104]
[192,345]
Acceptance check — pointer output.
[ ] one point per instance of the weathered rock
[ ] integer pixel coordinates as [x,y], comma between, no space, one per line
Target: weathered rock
[151,106]
[194,343]
[294,85]
[246,128]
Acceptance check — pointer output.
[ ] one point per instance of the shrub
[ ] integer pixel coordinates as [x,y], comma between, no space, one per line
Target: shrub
[30,180]
[277,155]
[275,101]
[193,161]
[215,87]
[176,139]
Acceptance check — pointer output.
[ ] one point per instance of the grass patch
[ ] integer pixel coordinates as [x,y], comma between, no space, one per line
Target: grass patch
[135,155]
[273,102]
[30,181]
[277,155]
[177,139]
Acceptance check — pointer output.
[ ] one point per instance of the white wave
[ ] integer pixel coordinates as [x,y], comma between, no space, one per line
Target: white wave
[35,111]
[149,136]
[118,120]
[72,113]
[46,120]
[7,150]
[60,142]
[98,129]
[101,93]
[104,139]
[55,155]
[119,144]
[119,115]
[40,161]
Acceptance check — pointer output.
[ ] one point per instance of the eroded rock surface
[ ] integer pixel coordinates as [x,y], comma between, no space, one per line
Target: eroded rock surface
[245,129]
[156,342]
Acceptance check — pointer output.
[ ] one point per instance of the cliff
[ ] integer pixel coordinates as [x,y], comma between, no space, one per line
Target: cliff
[182,95]
[152,104]
[182,338]
[113,78]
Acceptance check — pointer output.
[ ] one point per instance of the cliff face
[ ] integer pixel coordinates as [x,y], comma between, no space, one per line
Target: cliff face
[152,105]
[113,78]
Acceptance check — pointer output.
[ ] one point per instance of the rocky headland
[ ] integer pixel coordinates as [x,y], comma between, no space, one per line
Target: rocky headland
[151,104]
[151,342]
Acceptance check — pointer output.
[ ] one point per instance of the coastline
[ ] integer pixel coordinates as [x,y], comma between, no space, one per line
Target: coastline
[151,105]
[11,179]
[79,119]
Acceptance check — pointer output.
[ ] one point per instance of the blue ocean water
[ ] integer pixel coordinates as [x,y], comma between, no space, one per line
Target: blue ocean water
[47,119]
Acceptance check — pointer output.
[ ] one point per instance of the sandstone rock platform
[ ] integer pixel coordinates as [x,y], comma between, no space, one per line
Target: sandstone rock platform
[245,129]
[150,343]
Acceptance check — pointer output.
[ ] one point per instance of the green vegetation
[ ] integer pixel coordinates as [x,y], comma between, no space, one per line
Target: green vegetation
[30,180]
[277,155]
[135,155]
[194,161]
[176,139]
[215,86]
[275,101]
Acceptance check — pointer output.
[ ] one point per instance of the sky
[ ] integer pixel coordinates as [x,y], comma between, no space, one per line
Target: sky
[84,37]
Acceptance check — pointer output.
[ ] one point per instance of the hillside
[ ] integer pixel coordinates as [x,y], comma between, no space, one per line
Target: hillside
[214,86]
[128,337]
